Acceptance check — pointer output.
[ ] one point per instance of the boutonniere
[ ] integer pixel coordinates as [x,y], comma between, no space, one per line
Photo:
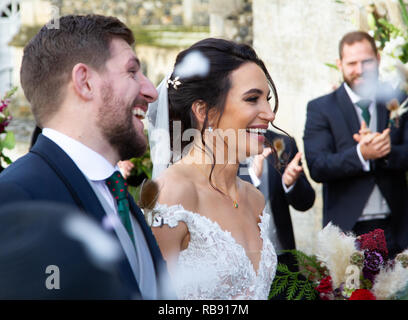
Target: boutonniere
[279,146]
[396,111]
[281,155]
[149,193]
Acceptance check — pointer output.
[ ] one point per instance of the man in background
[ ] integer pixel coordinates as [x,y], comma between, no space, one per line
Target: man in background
[352,150]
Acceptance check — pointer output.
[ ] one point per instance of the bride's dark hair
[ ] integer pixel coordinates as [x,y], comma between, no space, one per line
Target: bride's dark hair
[224,57]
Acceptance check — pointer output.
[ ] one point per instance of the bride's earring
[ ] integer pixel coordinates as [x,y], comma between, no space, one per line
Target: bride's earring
[210,129]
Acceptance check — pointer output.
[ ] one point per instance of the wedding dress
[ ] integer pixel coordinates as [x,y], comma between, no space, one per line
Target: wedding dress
[214,266]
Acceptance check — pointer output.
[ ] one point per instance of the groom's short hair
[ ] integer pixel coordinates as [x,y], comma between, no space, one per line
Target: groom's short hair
[50,56]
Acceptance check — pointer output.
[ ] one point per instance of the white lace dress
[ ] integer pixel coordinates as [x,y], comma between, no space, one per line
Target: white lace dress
[214,266]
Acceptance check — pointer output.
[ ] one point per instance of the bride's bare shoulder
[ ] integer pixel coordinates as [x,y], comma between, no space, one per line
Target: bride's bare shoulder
[176,186]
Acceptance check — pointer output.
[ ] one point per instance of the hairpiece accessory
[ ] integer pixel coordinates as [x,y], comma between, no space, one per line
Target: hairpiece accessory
[175,83]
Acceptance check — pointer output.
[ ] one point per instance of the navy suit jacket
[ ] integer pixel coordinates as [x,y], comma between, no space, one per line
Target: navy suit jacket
[47,173]
[301,197]
[332,159]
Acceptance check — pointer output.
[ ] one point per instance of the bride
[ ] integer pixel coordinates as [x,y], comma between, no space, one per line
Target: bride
[210,225]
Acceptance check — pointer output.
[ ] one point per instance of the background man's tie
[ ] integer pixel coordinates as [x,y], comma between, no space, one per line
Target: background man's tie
[118,187]
[363,105]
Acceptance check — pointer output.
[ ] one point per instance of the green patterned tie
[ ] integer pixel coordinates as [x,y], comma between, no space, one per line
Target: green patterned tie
[363,105]
[118,187]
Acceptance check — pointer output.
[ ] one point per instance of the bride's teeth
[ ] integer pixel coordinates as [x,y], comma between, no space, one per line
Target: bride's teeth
[256,130]
[139,112]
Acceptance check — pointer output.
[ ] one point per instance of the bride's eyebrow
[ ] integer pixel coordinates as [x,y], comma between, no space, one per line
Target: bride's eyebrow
[255,90]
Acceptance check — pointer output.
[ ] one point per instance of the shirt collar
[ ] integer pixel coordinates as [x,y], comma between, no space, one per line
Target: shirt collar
[93,165]
[354,97]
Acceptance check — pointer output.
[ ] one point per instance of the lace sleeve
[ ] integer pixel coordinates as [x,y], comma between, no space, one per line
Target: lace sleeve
[167,215]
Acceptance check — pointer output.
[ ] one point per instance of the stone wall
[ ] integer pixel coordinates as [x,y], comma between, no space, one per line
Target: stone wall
[295,41]
[232,19]
[157,25]
[140,12]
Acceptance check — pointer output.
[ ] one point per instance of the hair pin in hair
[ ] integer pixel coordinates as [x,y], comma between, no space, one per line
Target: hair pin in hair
[175,83]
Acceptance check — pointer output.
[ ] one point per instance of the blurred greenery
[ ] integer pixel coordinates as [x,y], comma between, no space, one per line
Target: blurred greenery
[145,35]
[384,30]
[7,139]
[143,166]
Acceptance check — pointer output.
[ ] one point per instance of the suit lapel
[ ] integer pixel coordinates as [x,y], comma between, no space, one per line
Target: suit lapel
[70,175]
[80,189]
[382,116]
[347,109]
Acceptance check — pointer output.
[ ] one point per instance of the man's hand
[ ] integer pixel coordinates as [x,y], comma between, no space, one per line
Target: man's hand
[125,167]
[362,132]
[375,145]
[257,163]
[293,170]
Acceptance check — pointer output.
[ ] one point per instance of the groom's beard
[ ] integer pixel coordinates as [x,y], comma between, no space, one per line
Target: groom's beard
[115,120]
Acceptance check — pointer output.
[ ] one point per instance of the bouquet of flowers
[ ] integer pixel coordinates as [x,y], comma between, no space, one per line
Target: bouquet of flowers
[346,267]
[7,140]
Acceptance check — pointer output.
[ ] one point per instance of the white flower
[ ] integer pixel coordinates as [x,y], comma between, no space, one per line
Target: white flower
[393,47]
[389,281]
[335,248]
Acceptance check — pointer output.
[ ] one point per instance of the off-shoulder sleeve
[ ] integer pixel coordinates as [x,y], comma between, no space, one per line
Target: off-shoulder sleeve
[163,214]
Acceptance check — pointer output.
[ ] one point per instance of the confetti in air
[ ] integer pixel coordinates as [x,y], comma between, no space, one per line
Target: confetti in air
[193,64]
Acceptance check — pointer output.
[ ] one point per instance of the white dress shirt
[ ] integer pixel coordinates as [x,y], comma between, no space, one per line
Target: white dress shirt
[97,169]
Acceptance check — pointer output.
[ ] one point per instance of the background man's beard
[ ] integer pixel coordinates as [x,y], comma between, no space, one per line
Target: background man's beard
[115,120]
[367,88]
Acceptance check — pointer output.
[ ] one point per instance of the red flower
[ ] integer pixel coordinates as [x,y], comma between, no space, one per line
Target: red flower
[325,285]
[374,241]
[362,294]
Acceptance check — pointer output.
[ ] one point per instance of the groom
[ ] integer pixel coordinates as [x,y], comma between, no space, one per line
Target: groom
[88,93]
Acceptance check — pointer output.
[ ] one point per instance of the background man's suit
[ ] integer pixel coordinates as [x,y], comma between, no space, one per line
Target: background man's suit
[332,158]
[47,173]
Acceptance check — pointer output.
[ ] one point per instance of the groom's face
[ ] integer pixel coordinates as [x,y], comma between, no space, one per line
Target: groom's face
[359,65]
[125,93]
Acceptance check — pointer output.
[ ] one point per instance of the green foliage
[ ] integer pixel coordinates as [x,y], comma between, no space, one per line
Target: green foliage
[144,35]
[365,283]
[7,139]
[332,66]
[296,288]
[309,265]
[384,30]
[143,164]
[8,142]
[10,92]
[404,12]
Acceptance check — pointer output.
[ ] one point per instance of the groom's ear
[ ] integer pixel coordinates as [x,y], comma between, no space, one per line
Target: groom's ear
[81,74]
